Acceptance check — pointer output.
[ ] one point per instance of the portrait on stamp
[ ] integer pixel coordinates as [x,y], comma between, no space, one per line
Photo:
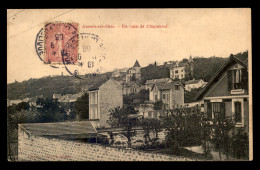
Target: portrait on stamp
[129,85]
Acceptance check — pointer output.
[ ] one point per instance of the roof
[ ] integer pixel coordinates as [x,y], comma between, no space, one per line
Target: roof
[241,58]
[192,81]
[59,128]
[166,86]
[157,80]
[137,64]
[97,85]
[130,83]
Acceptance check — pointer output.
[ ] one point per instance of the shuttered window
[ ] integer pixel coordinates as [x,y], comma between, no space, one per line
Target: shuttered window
[238,113]
[218,109]
[237,79]
[209,110]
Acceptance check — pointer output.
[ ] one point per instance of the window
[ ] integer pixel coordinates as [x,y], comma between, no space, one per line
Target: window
[155,114]
[237,79]
[150,114]
[163,96]
[176,71]
[238,111]
[182,70]
[93,106]
[216,108]
[176,76]
[177,87]
[238,114]
[155,97]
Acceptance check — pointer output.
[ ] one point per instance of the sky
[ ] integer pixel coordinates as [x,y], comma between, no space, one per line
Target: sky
[195,32]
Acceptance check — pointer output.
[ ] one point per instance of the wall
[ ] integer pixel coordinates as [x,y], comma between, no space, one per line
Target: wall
[35,148]
[110,96]
[178,97]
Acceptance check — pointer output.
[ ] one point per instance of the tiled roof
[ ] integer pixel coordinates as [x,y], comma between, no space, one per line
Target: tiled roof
[243,57]
[97,85]
[162,80]
[167,86]
[130,83]
[164,86]
[59,128]
[137,64]
[192,81]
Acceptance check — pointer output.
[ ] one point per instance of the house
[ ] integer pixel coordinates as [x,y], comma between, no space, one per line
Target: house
[193,84]
[182,70]
[146,110]
[149,83]
[104,96]
[67,98]
[131,87]
[119,72]
[170,93]
[226,94]
[134,73]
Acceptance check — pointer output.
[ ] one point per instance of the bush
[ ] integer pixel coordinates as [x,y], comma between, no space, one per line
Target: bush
[239,145]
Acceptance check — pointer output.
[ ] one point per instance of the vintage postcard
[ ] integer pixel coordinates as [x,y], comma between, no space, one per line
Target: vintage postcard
[129,84]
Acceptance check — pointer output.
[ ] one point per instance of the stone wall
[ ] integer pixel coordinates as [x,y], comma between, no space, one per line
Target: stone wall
[35,148]
[110,96]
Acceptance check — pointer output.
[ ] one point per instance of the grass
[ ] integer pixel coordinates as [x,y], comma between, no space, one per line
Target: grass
[182,152]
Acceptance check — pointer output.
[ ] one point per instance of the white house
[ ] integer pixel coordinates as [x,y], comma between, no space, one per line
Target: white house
[193,84]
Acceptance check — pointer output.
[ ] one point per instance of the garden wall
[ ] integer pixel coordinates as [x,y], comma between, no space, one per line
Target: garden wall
[36,148]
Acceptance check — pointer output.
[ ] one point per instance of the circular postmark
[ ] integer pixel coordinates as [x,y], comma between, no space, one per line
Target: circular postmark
[90,55]
[50,41]
[61,46]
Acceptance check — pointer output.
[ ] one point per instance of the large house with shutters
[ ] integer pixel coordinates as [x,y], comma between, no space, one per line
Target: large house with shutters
[170,93]
[226,94]
[104,96]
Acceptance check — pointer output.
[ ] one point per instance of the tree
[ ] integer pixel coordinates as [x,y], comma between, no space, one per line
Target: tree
[183,126]
[119,117]
[128,124]
[158,105]
[151,125]
[222,126]
[116,116]
[146,126]
[206,132]
[142,96]
[82,107]
[23,106]
[50,111]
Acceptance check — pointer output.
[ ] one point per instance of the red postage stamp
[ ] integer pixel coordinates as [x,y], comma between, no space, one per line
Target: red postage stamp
[57,37]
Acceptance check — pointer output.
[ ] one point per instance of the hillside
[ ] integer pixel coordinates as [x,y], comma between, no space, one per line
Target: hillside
[47,86]
[203,67]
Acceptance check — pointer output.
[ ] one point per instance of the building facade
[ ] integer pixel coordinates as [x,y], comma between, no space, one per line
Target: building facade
[149,83]
[134,73]
[170,93]
[182,70]
[193,84]
[226,94]
[102,98]
[131,87]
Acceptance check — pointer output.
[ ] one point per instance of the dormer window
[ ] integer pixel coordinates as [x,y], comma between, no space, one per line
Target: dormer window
[237,80]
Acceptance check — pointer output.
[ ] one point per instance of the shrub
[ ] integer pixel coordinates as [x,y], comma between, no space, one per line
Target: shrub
[239,145]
